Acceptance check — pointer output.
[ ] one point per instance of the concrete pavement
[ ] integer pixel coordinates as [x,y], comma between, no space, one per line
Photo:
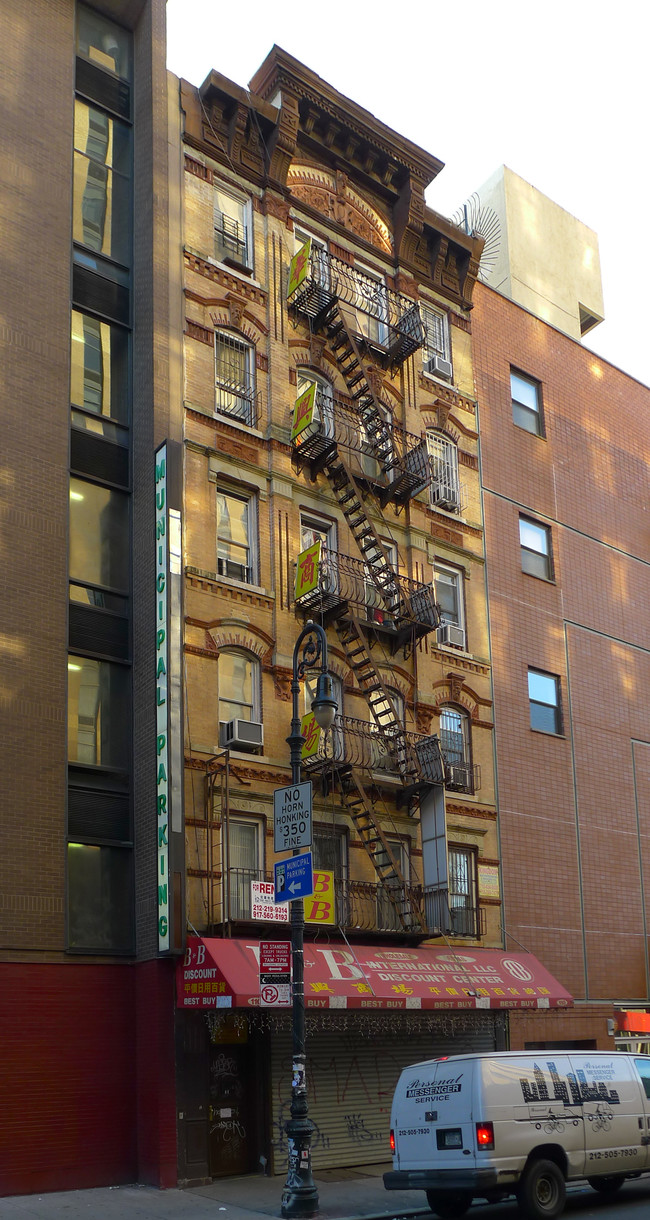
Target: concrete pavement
[344,1194]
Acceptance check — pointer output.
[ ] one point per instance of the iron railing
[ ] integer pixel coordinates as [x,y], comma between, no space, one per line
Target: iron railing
[405,468]
[239,400]
[453,914]
[230,240]
[358,743]
[396,328]
[345,582]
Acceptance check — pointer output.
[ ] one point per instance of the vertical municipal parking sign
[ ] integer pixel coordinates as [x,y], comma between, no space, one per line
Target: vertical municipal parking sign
[163,811]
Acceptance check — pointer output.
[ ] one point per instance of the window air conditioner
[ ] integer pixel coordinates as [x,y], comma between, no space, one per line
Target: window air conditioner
[445,494]
[452,635]
[439,367]
[243,734]
[234,571]
[457,776]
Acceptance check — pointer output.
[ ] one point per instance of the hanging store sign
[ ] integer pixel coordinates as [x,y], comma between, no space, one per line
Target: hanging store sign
[310,730]
[320,907]
[163,795]
[307,569]
[303,412]
[299,268]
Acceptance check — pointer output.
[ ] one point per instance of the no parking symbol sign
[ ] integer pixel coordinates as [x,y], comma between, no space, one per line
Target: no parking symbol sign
[275,974]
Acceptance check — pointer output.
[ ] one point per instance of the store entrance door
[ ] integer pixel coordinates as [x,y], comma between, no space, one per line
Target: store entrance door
[232,1138]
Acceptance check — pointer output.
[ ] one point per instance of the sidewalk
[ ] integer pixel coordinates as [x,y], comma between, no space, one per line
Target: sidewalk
[344,1194]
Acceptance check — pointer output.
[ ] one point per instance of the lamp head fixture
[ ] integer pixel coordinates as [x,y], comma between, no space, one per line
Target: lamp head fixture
[324,705]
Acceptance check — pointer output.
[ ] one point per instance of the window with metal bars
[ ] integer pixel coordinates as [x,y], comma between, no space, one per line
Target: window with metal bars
[232,230]
[463,888]
[436,329]
[445,484]
[234,378]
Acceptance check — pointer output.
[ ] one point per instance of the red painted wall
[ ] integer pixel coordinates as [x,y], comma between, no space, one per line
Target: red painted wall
[67,1060]
[156,1105]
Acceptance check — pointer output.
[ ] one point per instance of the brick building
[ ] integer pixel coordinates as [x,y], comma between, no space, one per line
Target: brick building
[331,472]
[86,1064]
[564,445]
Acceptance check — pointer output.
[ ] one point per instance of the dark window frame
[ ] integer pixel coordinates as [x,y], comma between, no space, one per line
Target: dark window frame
[532,557]
[538,709]
[522,413]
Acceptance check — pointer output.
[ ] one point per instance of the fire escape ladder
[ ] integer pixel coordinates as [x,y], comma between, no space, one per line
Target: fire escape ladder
[348,358]
[390,728]
[386,867]
[349,497]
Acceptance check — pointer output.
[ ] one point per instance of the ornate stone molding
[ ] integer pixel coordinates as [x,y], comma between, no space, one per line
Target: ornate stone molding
[332,195]
[219,275]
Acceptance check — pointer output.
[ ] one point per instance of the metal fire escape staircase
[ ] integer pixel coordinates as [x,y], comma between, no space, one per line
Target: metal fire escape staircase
[346,489]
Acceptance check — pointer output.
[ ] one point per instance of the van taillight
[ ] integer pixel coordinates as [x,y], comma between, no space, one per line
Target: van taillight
[485,1135]
[392,1141]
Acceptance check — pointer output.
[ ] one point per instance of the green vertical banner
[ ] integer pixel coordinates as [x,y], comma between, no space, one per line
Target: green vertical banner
[303,412]
[162,700]
[299,268]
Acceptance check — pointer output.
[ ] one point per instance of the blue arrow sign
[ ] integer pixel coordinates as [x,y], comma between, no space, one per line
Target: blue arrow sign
[294,878]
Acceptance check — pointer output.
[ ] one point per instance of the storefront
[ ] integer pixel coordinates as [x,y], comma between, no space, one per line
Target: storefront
[370,1011]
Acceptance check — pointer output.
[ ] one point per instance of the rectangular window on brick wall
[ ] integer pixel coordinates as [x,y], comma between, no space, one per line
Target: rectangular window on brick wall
[544,700]
[526,397]
[237,534]
[535,542]
[233,230]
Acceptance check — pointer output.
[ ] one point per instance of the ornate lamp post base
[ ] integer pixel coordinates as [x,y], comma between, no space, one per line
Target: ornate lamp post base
[300,1195]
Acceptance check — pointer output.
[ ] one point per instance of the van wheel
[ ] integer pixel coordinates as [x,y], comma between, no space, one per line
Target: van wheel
[449,1203]
[541,1193]
[607,1185]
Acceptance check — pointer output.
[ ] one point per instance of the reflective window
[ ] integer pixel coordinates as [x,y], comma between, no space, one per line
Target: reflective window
[232,228]
[535,540]
[238,679]
[102,190]
[544,697]
[99,523]
[235,535]
[526,404]
[99,718]
[99,367]
[103,43]
[100,914]
[454,736]
[244,865]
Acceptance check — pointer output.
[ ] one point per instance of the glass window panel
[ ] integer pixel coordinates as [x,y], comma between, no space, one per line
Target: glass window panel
[99,719]
[103,139]
[535,537]
[447,595]
[328,852]
[99,522]
[104,43]
[436,334]
[234,536]
[88,596]
[102,193]
[453,736]
[100,912]
[542,687]
[535,565]
[543,718]
[237,678]
[524,391]
[244,845]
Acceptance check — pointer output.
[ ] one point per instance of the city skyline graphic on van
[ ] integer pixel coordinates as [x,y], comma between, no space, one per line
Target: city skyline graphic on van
[572,1090]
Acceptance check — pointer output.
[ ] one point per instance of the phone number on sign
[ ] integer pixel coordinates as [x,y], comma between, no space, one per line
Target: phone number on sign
[612,1152]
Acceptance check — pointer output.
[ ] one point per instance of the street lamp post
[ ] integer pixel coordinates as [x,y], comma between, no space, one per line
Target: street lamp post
[300,1195]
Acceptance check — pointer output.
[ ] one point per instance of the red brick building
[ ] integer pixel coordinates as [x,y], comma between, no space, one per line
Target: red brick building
[565,450]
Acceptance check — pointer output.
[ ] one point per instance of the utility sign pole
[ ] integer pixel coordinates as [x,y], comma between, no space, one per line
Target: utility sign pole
[292,825]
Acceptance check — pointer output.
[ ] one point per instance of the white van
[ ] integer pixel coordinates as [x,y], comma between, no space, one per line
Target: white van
[470,1127]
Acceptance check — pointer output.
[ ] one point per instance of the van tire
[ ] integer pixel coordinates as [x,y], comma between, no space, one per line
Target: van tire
[607,1185]
[541,1193]
[448,1204]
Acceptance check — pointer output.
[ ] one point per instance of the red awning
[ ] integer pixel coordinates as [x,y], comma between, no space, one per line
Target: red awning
[632,1022]
[225,974]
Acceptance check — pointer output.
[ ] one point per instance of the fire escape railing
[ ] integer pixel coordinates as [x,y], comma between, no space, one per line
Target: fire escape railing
[453,914]
[397,324]
[335,425]
[344,582]
[358,743]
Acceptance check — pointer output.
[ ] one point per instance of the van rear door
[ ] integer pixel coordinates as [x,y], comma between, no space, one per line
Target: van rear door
[433,1115]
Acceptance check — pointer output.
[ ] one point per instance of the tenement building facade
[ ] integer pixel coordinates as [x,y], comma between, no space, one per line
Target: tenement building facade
[330,475]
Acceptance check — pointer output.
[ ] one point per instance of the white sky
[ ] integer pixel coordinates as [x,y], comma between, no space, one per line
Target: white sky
[557,91]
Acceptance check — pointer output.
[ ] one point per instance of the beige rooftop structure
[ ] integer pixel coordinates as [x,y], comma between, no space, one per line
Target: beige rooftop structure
[547,260]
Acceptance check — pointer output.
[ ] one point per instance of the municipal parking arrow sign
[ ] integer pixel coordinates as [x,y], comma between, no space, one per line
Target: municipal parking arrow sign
[294,878]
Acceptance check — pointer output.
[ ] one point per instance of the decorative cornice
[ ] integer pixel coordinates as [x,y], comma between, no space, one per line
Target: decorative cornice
[218,275]
[210,583]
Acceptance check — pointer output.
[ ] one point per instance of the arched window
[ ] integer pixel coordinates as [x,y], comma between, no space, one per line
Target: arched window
[445,485]
[455,742]
[234,373]
[238,678]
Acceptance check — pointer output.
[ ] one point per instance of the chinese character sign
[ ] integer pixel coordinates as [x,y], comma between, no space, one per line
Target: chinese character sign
[303,412]
[311,732]
[299,268]
[307,569]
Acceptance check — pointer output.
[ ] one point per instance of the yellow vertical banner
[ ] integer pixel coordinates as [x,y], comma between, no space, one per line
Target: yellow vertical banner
[303,412]
[299,267]
[311,731]
[307,569]
[321,906]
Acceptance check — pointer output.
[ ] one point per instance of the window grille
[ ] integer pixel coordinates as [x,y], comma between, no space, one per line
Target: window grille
[234,389]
